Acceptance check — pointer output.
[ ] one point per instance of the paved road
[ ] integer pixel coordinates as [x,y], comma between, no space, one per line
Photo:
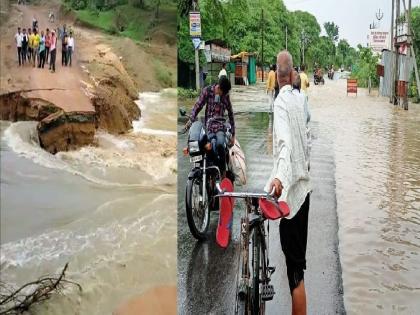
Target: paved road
[207,274]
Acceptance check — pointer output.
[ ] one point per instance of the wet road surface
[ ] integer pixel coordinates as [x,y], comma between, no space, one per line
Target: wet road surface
[207,274]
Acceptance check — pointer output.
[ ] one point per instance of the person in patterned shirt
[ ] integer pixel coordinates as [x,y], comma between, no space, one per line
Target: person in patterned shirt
[217,101]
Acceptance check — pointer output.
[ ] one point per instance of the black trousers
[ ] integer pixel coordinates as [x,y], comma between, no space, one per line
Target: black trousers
[19,52]
[24,52]
[47,53]
[64,57]
[53,54]
[293,239]
[41,59]
[29,55]
[218,143]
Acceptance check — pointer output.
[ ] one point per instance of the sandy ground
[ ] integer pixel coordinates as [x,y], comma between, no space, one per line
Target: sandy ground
[158,301]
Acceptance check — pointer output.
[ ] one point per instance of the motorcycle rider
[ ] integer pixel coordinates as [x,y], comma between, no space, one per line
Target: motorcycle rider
[217,101]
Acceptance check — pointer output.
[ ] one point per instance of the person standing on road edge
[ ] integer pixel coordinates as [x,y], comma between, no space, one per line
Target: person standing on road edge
[223,71]
[25,40]
[290,178]
[217,101]
[53,51]
[30,40]
[64,50]
[47,44]
[70,48]
[270,86]
[18,40]
[41,61]
[35,47]
[304,79]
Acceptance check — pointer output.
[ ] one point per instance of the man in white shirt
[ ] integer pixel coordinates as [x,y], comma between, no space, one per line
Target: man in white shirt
[70,48]
[223,71]
[18,39]
[290,177]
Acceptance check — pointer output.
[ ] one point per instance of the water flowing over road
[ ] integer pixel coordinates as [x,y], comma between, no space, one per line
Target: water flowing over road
[108,210]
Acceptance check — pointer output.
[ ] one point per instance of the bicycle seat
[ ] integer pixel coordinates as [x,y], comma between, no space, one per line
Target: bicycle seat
[271,212]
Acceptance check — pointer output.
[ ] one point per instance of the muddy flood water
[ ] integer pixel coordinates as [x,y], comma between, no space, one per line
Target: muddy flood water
[364,225]
[108,210]
[377,157]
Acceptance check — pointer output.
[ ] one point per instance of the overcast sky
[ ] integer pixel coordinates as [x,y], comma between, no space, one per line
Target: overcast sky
[352,16]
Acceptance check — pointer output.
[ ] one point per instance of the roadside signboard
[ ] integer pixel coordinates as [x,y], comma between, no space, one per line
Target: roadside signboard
[196,42]
[379,40]
[195,24]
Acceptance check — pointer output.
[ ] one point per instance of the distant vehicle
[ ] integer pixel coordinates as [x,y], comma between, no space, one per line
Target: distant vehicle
[318,76]
[331,74]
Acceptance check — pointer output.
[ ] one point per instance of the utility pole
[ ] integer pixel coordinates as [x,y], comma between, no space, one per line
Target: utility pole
[286,37]
[397,17]
[391,98]
[262,45]
[195,33]
[411,33]
[197,70]
[408,17]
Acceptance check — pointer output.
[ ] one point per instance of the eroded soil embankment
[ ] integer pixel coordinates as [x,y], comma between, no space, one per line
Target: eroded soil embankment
[57,130]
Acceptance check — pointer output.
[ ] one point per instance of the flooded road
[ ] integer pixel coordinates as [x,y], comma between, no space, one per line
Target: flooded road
[377,152]
[108,210]
[363,251]
[207,274]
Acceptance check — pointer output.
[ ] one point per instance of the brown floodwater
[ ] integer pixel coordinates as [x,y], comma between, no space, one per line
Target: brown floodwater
[377,156]
[107,210]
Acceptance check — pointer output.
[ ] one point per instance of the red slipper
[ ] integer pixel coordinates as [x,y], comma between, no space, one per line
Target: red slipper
[273,212]
[224,227]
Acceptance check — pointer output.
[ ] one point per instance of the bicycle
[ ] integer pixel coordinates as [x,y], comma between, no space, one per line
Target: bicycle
[253,279]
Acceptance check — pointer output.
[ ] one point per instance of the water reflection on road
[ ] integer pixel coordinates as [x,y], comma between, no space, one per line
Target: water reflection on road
[207,274]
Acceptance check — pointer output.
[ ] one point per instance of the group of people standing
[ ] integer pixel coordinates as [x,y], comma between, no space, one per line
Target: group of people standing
[38,48]
[299,77]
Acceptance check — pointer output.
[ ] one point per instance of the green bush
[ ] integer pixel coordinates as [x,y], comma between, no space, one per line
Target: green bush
[187,93]
[164,76]
[210,80]
[365,68]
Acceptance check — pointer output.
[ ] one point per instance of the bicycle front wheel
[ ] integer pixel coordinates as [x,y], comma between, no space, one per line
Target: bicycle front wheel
[255,290]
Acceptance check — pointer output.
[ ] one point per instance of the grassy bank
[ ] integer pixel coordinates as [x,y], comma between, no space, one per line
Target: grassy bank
[136,23]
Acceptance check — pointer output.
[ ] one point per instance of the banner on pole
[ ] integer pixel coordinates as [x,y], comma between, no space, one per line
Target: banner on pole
[195,24]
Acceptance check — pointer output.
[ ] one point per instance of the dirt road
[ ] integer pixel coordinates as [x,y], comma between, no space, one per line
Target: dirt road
[68,91]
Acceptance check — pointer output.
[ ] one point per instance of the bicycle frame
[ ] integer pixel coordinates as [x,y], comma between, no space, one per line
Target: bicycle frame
[252,225]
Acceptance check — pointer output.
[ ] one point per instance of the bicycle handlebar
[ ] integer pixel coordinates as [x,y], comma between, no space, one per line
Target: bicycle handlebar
[247,195]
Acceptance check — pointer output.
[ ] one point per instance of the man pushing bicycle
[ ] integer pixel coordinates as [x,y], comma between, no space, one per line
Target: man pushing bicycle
[290,177]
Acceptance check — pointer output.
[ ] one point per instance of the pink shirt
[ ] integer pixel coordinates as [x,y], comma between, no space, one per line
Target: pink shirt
[48,40]
[53,42]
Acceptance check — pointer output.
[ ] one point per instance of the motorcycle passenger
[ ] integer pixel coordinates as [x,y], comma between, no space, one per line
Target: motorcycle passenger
[217,101]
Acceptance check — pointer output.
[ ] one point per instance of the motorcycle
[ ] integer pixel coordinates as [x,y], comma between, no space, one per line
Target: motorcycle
[331,74]
[204,177]
[318,77]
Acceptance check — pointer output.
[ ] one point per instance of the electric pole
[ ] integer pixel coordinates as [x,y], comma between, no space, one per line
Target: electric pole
[396,77]
[262,45]
[409,42]
[391,99]
[286,37]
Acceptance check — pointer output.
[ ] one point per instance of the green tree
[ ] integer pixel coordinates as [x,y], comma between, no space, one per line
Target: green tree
[332,31]
[366,67]
[308,27]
